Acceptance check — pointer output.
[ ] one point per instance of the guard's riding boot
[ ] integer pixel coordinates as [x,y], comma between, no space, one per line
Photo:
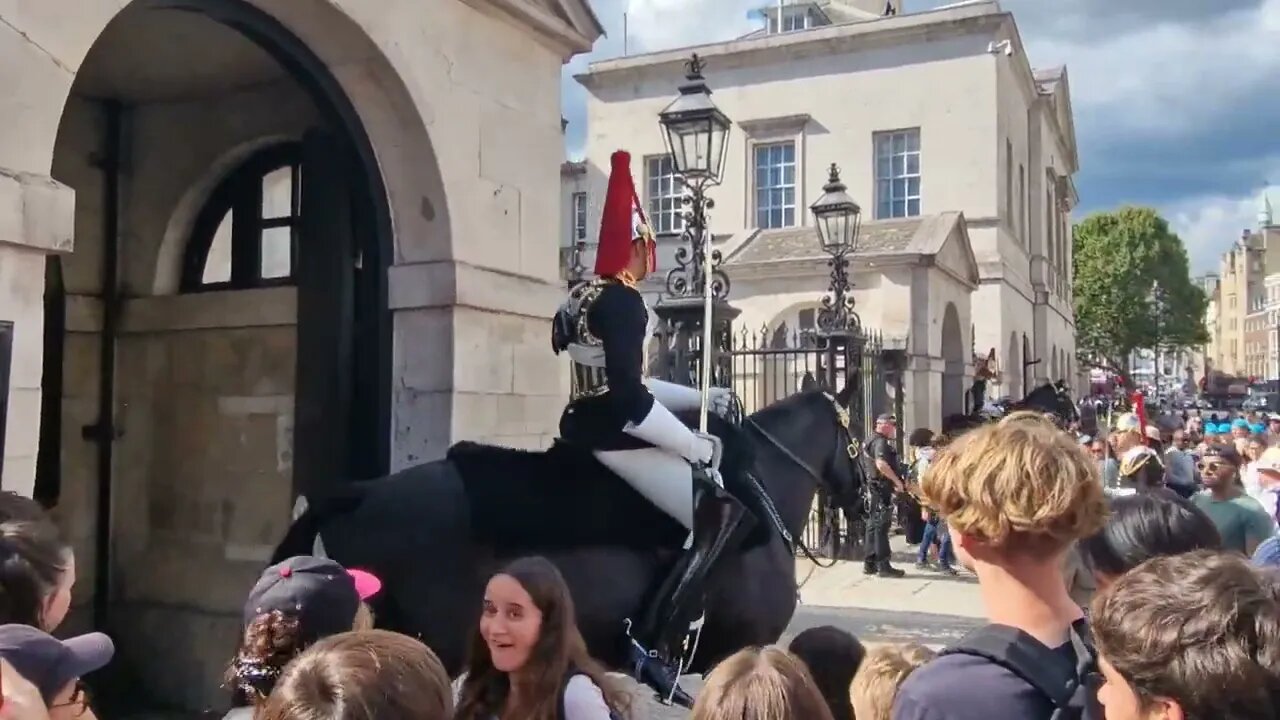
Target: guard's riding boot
[720,522]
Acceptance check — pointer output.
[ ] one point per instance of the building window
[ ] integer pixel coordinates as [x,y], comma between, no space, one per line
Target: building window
[579,217]
[898,173]
[793,19]
[247,233]
[1022,204]
[775,166]
[666,211]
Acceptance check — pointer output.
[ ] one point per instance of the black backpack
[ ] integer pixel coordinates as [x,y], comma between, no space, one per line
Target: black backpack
[564,685]
[1073,690]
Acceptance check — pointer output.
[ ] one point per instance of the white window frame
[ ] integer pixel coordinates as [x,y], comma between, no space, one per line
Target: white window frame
[782,167]
[774,131]
[579,217]
[885,140]
[663,203]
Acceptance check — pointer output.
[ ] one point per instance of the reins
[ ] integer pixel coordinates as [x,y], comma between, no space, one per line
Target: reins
[771,510]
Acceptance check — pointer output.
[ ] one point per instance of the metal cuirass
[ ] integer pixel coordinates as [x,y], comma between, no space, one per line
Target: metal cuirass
[570,332]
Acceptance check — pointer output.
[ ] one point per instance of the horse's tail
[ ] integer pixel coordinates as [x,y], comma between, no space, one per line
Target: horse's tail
[303,537]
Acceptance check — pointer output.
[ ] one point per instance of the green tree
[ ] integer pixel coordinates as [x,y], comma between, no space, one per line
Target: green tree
[1133,288]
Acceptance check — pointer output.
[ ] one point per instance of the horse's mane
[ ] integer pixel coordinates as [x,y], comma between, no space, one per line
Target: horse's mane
[790,404]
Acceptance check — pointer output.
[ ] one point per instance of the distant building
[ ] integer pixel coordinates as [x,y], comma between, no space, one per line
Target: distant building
[960,153]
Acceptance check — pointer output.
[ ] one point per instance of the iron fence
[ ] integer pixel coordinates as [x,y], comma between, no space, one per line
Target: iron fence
[767,365]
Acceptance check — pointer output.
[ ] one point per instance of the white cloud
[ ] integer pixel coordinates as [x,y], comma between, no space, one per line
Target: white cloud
[1169,78]
[1209,224]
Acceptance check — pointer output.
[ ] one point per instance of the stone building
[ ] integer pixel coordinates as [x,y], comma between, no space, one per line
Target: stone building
[940,125]
[1238,343]
[255,247]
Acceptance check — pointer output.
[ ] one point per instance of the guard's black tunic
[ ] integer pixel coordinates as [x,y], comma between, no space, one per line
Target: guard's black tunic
[618,319]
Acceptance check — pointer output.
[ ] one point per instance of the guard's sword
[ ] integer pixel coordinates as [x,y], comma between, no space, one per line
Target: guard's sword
[705,376]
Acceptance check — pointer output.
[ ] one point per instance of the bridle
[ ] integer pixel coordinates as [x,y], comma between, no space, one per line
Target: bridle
[852,448]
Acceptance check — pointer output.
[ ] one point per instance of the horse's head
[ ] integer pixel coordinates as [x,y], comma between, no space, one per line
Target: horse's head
[807,437]
[1052,399]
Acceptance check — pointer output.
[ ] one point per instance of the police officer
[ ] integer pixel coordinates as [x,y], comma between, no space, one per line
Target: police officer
[880,461]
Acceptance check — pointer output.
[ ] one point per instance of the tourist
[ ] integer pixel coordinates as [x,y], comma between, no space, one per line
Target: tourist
[765,683]
[1192,636]
[294,604]
[527,658]
[362,675]
[881,675]
[1016,495]
[833,657]
[1141,527]
[19,697]
[37,573]
[1108,466]
[935,530]
[55,667]
[1180,465]
[1240,519]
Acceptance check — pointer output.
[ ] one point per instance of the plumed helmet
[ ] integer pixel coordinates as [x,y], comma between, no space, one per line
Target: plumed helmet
[622,220]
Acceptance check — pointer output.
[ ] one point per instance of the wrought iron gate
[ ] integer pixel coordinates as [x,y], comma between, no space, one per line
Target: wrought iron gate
[764,366]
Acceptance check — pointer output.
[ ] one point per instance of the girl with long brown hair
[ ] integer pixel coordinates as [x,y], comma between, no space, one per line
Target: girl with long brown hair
[527,659]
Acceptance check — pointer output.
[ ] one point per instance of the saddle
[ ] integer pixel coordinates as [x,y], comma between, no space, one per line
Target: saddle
[563,497]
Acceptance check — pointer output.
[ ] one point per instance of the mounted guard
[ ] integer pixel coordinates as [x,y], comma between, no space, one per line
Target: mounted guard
[626,419]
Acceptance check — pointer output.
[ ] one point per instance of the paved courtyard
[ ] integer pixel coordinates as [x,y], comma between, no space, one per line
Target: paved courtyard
[925,607]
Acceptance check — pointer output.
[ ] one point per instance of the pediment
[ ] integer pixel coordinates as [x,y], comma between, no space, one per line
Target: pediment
[956,254]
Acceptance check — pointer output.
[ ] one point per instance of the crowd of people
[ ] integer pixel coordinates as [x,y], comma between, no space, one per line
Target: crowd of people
[1178,624]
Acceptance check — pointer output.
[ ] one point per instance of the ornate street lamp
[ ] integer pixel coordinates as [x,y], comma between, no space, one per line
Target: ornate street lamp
[696,134]
[695,130]
[695,317]
[838,219]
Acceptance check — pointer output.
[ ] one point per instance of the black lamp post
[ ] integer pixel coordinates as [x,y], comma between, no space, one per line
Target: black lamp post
[695,318]
[696,134]
[838,219]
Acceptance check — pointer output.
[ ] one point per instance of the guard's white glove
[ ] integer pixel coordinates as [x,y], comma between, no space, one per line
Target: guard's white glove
[720,401]
[705,450]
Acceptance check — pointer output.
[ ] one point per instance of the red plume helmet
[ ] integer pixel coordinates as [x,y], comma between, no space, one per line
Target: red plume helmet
[622,221]
[1140,409]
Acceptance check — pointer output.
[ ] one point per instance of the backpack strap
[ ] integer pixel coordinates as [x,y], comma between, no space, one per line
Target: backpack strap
[1019,653]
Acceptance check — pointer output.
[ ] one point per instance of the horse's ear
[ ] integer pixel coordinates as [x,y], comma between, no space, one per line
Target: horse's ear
[852,384]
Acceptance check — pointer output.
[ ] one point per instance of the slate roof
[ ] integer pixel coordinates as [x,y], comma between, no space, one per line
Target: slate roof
[909,236]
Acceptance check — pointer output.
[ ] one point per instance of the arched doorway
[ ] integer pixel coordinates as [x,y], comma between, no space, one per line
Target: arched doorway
[953,357]
[227,337]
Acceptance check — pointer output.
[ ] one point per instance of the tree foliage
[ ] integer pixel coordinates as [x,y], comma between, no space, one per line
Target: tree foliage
[1119,258]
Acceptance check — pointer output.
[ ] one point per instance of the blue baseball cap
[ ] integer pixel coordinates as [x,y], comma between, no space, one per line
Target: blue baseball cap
[1268,553]
[1257,428]
[1239,423]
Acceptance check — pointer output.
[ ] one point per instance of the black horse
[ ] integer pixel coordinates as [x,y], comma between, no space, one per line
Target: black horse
[435,533]
[1050,398]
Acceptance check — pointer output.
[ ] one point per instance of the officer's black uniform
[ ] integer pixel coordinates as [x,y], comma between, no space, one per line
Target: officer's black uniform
[879,504]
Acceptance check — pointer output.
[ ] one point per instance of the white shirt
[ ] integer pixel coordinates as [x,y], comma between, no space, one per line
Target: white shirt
[583,699]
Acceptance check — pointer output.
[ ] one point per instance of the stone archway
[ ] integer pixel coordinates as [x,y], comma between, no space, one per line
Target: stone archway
[954,362]
[190,415]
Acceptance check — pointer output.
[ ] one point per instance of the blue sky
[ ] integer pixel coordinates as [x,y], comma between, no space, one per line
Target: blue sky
[1177,102]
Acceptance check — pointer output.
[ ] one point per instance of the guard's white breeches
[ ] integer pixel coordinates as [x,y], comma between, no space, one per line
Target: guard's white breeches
[664,479]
